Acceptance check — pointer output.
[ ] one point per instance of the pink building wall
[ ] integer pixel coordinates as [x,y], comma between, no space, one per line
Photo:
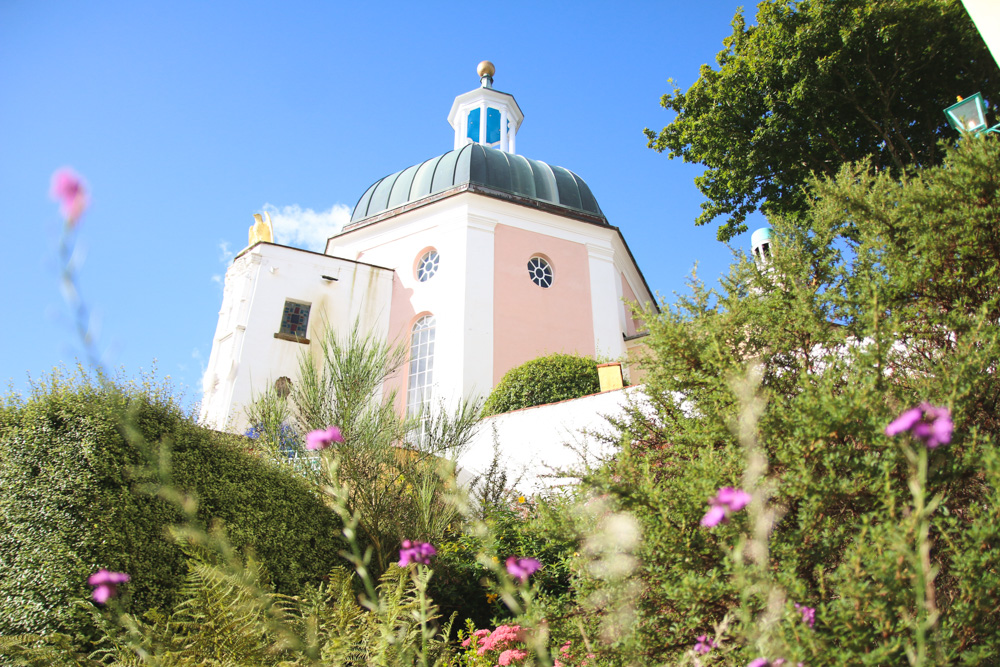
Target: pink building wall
[401,319]
[530,321]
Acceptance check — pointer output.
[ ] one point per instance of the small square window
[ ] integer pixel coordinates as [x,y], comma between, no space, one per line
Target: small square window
[295,319]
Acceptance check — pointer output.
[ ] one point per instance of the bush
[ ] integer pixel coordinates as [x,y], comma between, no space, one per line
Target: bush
[885,295]
[523,528]
[74,502]
[557,377]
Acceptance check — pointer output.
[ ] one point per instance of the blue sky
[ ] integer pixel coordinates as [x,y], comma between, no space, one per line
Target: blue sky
[186,118]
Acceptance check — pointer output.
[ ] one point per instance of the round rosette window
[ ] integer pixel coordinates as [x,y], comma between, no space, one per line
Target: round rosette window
[540,272]
[428,265]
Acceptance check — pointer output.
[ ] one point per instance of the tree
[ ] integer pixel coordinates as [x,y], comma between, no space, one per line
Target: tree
[883,295]
[817,84]
[395,469]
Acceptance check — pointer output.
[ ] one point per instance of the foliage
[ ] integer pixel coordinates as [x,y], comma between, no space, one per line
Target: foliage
[517,527]
[70,450]
[556,377]
[396,470]
[817,84]
[885,295]
[229,614]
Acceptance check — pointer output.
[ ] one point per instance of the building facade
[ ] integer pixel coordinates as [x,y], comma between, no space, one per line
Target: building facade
[476,260]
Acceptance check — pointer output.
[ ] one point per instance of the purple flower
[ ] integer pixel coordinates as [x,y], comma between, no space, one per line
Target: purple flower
[416,552]
[67,189]
[808,614]
[522,568]
[704,645]
[759,662]
[734,499]
[322,439]
[105,584]
[726,501]
[928,423]
[715,515]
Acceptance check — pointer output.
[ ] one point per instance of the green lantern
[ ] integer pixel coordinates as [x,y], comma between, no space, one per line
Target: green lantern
[969,115]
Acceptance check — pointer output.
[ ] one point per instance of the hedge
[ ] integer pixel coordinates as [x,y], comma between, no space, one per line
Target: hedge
[74,502]
[557,377]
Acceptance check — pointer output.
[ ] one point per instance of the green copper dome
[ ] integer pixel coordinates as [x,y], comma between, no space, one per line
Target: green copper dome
[485,170]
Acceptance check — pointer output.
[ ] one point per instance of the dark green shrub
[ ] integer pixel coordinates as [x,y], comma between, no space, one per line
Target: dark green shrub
[73,502]
[557,377]
[530,529]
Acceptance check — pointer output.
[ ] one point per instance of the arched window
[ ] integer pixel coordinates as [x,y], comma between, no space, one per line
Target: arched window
[421,376]
[428,265]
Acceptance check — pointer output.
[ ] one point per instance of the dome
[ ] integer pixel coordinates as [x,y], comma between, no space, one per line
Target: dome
[762,235]
[485,170]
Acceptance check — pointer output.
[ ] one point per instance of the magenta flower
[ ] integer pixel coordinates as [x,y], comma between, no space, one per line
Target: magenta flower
[522,568]
[416,552]
[105,584]
[704,645]
[725,502]
[808,614]
[734,499]
[67,189]
[321,439]
[928,423]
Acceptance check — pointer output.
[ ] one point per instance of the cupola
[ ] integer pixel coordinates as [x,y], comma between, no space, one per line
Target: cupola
[762,246]
[485,115]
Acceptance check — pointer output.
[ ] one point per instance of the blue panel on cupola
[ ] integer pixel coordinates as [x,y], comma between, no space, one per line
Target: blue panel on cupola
[473,132]
[492,126]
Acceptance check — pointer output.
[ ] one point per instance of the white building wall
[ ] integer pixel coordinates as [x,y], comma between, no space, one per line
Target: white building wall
[246,357]
[606,302]
[399,243]
[537,443]
[477,377]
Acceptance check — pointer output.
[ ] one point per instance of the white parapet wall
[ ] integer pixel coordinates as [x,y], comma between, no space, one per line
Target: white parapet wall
[537,444]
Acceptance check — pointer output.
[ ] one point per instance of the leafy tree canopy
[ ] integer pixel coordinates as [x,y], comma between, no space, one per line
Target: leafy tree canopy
[814,85]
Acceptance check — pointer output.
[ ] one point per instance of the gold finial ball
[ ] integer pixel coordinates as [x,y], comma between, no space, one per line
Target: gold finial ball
[486,68]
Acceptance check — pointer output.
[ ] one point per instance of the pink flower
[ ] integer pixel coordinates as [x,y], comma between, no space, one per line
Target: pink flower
[67,189]
[734,499]
[928,423]
[105,584]
[565,647]
[759,662]
[522,568]
[478,634]
[714,516]
[726,501]
[502,637]
[512,654]
[704,645]
[808,614]
[416,552]
[321,439]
